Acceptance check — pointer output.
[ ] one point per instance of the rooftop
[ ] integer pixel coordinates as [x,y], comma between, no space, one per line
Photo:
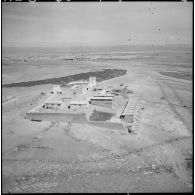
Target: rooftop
[101,98]
[53,102]
[130,107]
[78,82]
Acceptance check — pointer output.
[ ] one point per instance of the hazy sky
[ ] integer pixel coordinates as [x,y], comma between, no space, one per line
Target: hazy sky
[109,23]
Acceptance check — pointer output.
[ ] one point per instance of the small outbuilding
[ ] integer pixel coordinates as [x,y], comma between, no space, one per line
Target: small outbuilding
[104,101]
[56,90]
[81,83]
[78,104]
[52,104]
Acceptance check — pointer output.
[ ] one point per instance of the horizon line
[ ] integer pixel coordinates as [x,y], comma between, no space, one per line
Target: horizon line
[66,46]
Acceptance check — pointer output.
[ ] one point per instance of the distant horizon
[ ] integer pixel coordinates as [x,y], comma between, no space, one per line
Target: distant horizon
[120,45]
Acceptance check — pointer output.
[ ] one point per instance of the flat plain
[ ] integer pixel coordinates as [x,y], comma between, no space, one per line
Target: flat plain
[44,157]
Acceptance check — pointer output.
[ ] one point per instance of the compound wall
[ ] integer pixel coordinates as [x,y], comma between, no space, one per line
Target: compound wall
[60,117]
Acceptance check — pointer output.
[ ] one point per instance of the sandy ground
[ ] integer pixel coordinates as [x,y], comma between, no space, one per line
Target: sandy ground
[157,157]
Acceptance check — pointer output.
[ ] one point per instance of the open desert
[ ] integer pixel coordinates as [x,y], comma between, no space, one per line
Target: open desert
[46,157]
[97,97]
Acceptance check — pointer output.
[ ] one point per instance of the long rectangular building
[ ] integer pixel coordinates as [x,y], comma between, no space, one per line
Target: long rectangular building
[52,104]
[78,104]
[103,101]
[128,112]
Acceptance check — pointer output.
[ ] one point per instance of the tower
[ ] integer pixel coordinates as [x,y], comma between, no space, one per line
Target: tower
[94,82]
[90,82]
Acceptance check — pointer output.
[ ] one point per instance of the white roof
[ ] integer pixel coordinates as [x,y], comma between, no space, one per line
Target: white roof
[53,102]
[56,88]
[101,98]
[105,95]
[130,107]
[79,102]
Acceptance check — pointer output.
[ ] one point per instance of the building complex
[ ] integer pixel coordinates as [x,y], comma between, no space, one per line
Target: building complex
[87,99]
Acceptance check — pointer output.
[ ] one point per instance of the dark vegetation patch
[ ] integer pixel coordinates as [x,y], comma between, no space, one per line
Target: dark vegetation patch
[109,59]
[6,62]
[179,75]
[100,116]
[67,59]
[101,75]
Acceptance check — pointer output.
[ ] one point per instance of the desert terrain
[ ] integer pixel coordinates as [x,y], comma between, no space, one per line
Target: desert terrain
[47,157]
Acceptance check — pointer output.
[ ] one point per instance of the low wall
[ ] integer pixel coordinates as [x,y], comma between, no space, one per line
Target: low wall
[75,118]
[60,117]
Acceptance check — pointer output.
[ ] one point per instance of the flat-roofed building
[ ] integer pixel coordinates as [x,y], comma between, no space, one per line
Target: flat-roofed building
[97,89]
[104,95]
[79,83]
[78,104]
[64,99]
[52,104]
[104,101]
[129,110]
[56,90]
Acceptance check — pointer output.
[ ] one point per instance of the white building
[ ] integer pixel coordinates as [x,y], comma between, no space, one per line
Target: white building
[103,101]
[56,89]
[86,85]
[79,83]
[128,113]
[78,104]
[92,82]
[52,104]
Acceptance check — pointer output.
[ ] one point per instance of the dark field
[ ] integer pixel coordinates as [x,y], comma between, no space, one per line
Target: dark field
[100,116]
[178,75]
[104,74]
